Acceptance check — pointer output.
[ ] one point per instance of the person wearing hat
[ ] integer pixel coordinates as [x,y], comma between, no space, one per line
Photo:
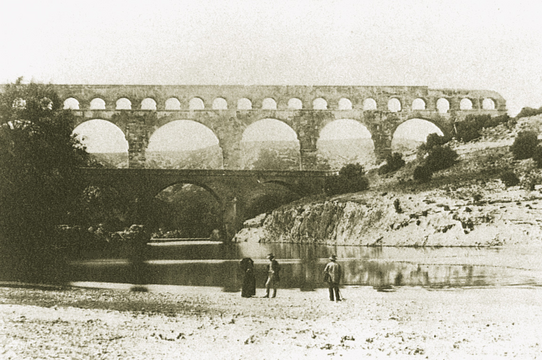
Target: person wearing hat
[273,276]
[332,275]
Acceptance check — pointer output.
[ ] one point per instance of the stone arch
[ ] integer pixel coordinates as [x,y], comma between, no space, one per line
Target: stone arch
[394,105]
[189,208]
[295,103]
[148,104]
[270,144]
[345,104]
[173,104]
[244,104]
[488,104]
[97,104]
[196,103]
[184,144]
[123,104]
[345,141]
[410,134]
[269,104]
[443,105]
[220,104]
[418,104]
[105,141]
[71,104]
[369,104]
[319,104]
[465,104]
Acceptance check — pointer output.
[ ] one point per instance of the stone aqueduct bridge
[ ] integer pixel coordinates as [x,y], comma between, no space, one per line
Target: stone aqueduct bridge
[139,110]
[228,110]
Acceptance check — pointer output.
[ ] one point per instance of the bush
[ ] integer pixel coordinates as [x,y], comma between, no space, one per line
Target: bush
[469,129]
[393,162]
[422,173]
[440,157]
[528,111]
[351,178]
[524,144]
[537,156]
[509,178]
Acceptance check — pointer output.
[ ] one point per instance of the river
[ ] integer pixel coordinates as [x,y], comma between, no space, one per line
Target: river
[385,268]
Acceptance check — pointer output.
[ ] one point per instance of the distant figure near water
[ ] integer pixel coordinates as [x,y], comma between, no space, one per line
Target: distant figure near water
[249,280]
[273,276]
[332,275]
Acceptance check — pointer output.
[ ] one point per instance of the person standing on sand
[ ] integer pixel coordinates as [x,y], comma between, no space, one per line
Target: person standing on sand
[332,275]
[249,280]
[273,276]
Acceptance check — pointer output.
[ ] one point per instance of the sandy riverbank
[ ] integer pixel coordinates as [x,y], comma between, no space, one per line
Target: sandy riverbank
[204,323]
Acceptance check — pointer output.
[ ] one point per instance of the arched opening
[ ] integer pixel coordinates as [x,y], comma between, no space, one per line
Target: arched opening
[270,144]
[295,103]
[465,104]
[105,142]
[173,104]
[269,198]
[185,211]
[418,104]
[411,134]
[488,104]
[184,144]
[124,104]
[148,104]
[220,104]
[97,104]
[71,104]
[443,105]
[345,104]
[344,142]
[369,104]
[244,104]
[269,104]
[319,104]
[394,105]
[196,104]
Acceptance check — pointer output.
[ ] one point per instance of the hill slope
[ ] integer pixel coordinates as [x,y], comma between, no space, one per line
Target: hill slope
[465,205]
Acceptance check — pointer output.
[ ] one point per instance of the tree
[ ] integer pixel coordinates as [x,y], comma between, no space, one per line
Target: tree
[39,162]
[524,144]
[351,178]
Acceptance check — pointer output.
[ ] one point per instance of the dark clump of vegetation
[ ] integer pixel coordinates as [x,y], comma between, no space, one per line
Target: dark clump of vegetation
[509,178]
[351,178]
[528,111]
[537,156]
[39,161]
[524,145]
[422,173]
[437,157]
[440,158]
[469,129]
[393,162]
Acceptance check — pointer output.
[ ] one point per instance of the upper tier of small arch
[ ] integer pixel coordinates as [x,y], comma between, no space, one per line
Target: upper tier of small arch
[241,98]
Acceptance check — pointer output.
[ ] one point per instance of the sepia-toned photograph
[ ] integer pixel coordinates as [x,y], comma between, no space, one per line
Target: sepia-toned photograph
[304,179]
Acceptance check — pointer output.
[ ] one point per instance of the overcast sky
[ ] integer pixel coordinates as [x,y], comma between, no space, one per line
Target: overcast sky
[495,45]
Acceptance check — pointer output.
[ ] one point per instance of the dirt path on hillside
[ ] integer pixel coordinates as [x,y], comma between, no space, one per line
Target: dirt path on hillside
[203,323]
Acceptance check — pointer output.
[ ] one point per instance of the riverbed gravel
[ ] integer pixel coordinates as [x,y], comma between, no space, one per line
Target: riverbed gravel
[207,323]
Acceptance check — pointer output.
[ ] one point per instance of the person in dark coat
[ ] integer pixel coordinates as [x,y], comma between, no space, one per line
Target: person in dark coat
[332,275]
[249,280]
[273,276]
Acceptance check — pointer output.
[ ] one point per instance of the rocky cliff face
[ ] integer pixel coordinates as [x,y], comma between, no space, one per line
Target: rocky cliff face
[459,217]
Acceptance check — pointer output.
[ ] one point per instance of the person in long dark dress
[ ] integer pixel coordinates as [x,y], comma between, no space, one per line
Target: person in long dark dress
[249,280]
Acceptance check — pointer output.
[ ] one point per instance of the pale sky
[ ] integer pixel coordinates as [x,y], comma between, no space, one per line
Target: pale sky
[495,45]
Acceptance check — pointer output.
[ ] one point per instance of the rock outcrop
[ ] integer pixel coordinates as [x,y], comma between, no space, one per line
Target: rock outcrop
[460,217]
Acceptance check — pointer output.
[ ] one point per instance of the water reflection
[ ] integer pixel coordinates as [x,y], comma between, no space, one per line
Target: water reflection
[302,266]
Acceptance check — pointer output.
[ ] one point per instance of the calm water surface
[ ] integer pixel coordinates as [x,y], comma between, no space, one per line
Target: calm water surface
[217,265]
